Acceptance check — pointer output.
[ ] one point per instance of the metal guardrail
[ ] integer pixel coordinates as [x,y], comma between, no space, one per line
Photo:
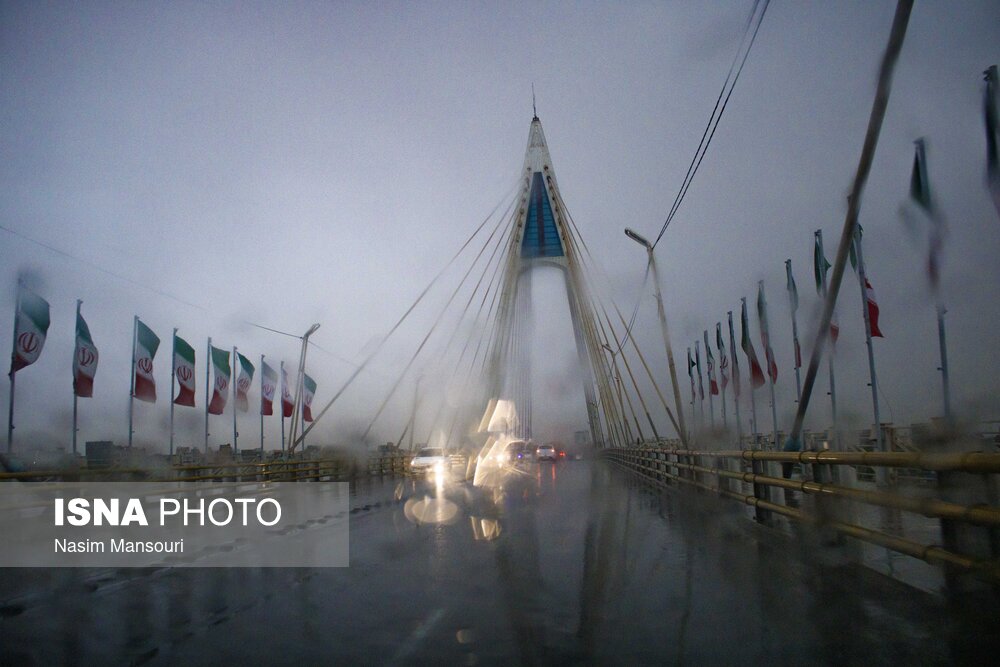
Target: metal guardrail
[965,504]
[266,471]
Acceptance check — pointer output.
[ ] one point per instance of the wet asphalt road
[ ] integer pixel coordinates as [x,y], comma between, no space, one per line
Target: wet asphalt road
[571,563]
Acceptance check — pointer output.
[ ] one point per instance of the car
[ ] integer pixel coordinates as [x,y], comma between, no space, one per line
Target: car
[430,459]
[546,452]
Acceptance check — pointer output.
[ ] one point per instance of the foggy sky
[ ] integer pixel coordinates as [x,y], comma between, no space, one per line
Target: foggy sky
[291,163]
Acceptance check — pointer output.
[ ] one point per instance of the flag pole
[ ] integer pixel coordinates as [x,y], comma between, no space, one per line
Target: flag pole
[12,374]
[863,281]
[793,302]
[944,362]
[768,359]
[282,404]
[753,399]
[833,382]
[722,385]
[173,375]
[75,397]
[131,394]
[262,407]
[736,394]
[236,433]
[708,362]
[701,387]
[691,378]
[208,377]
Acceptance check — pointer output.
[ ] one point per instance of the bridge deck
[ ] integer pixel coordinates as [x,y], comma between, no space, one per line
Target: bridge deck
[589,567]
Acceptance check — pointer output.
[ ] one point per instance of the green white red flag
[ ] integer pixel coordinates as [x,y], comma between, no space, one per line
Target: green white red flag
[220,365]
[872,310]
[309,387]
[146,344]
[184,371]
[268,383]
[243,383]
[287,402]
[765,336]
[736,359]
[713,384]
[756,374]
[84,360]
[31,325]
[723,358]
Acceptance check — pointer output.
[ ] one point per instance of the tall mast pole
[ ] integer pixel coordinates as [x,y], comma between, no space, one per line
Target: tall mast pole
[710,369]
[208,395]
[944,361]
[793,303]
[173,371]
[13,356]
[131,394]
[753,400]
[833,349]
[79,302]
[768,357]
[666,343]
[235,379]
[863,281]
[282,404]
[722,385]
[736,395]
[262,406]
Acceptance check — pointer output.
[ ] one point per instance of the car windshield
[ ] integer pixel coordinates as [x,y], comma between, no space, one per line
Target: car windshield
[430,451]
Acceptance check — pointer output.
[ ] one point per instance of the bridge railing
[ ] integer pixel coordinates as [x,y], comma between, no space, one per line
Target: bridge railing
[821,489]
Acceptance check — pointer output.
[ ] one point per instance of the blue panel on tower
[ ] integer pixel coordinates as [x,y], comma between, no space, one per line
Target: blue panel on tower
[541,239]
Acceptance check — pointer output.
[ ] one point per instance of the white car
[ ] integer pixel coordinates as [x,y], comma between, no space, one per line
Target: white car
[546,452]
[430,459]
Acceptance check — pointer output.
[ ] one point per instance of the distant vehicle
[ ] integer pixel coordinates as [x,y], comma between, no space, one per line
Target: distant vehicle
[546,453]
[429,459]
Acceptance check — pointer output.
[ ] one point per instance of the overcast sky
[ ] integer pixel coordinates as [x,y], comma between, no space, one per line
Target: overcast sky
[291,163]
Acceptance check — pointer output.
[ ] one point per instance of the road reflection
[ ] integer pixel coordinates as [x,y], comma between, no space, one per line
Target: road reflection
[554,563]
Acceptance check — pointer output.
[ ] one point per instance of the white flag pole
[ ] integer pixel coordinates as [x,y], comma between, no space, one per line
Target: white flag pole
[833,349]
[732,372]
[173,372]
[745,322]
[78,304]
[262,407]
[793,304]
[131,394]
[235,378]
[208,397]
[708,363]
[282,405]
[768,356]
[13,356]
[863,281]
[722,385]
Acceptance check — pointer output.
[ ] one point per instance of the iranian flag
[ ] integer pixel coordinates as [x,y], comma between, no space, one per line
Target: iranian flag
[84,360]
[765,335]
[713,384]
[31,324]
[756,374]
[220,363]
[723,359]
[184,371]
[310,390]
[872,310]
[287,402]
[243,383]
[697,363]
[268,383]
[146,344]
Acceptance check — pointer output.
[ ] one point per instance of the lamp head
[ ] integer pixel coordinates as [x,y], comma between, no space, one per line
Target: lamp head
[638,238]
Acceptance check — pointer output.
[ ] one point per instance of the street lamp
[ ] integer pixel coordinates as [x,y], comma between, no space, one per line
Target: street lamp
[638,238]
[296,409]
